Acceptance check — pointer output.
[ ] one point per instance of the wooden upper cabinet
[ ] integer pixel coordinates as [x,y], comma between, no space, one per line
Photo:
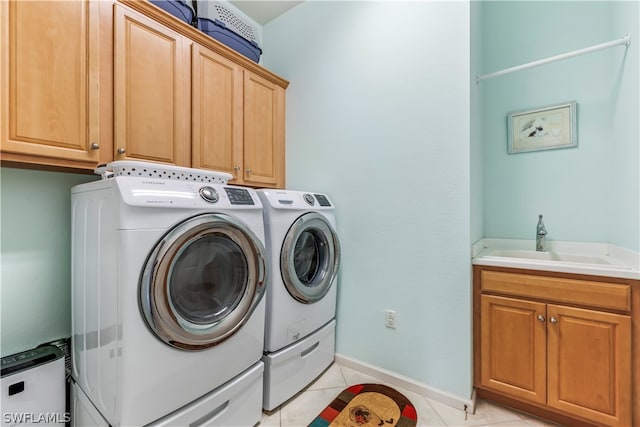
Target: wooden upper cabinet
[237,121]
[589,359]
[216,108]
[49,71]
[86,82]
[151,90]
[263,149]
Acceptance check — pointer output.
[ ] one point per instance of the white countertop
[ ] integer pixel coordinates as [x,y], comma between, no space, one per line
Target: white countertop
[599,259]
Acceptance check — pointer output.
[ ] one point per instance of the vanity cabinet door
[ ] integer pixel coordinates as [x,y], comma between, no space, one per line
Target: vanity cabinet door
[589,360]
[513,347]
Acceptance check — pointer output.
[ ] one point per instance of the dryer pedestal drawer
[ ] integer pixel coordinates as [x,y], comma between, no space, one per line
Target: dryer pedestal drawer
[291,369]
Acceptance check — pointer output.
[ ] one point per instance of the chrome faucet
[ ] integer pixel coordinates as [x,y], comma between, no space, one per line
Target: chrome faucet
[541,233]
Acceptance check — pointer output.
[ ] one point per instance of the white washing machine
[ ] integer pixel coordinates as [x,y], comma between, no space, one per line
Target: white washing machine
[168,278]
[304,254]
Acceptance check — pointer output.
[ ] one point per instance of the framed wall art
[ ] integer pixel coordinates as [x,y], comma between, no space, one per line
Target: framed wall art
[543,128]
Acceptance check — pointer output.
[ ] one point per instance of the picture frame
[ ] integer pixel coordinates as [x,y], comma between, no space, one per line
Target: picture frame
[544,128]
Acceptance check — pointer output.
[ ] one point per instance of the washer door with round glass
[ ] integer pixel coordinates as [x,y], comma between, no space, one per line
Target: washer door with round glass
[309,258]
[202,281]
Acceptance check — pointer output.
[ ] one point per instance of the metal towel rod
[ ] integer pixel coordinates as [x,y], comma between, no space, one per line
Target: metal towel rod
[626,40]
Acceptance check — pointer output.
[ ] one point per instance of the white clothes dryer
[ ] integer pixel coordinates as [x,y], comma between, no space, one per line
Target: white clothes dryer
[168,278]
[303,251]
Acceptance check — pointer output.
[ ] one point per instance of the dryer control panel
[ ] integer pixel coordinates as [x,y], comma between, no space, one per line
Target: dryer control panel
[291,199]
[322,200]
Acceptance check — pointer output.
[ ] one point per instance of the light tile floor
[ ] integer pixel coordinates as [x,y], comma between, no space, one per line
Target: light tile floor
[303,408]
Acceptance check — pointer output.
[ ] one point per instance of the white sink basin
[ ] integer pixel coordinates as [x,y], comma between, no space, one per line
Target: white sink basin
[550,256]
[569,257]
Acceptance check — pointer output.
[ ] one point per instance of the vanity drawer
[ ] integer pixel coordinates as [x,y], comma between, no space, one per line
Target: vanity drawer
[609,296]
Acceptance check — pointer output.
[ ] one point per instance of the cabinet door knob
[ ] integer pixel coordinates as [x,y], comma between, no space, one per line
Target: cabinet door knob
[248,171]
[121,151]
[553,320]
[95,146]
[236,169]
[541,317]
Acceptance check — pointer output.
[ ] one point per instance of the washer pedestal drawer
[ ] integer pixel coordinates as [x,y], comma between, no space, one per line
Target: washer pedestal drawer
[236,403]
[83,413]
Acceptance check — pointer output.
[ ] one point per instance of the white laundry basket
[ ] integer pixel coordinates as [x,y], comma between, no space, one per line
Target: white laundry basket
[220,21]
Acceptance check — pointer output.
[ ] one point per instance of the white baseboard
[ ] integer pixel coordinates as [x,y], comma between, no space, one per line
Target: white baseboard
[468,405]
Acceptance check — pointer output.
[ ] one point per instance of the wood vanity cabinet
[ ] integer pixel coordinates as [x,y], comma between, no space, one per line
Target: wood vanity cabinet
[561,344]
[49,80]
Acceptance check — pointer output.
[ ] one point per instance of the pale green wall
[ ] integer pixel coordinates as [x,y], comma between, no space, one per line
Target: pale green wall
[588,193]
[378,117]
[35,269]
[625,144]
[476,145]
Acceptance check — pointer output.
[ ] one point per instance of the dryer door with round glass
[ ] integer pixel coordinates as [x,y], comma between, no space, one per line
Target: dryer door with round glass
[202,281]
[309,258]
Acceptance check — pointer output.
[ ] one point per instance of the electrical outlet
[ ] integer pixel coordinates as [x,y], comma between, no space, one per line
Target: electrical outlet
[390,319]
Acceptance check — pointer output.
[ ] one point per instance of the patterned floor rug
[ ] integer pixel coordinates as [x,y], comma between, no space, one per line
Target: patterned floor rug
[368,405]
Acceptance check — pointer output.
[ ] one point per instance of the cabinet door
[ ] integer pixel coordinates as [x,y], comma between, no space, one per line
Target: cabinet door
[49,81]
[513,347]
[216,98]
[151,81]
[589,357]
[264,104]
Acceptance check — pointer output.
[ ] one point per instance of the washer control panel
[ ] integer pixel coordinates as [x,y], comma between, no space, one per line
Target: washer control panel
[165,193]
[239,196]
